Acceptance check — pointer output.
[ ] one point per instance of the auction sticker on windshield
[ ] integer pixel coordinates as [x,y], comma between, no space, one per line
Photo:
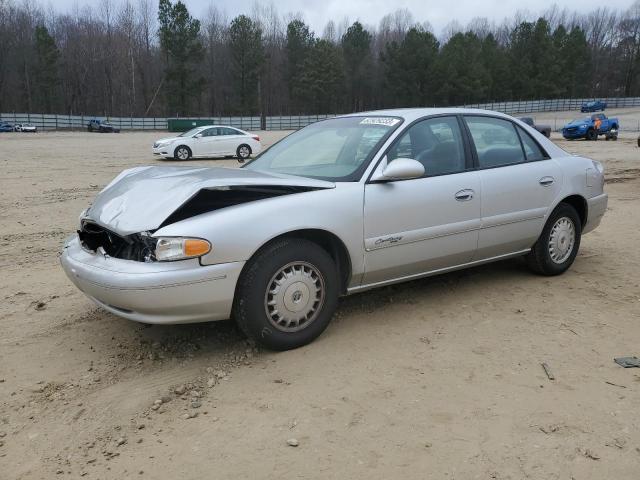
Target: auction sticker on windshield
[386,121]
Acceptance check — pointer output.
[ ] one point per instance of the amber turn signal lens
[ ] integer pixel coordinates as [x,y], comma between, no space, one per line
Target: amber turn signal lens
[196,247]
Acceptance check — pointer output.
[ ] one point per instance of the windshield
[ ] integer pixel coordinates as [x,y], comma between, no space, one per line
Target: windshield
[190,133]
[336,150]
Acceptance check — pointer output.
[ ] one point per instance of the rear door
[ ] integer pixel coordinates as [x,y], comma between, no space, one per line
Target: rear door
[230,139]
[600,123]
[429,223]
[519,184]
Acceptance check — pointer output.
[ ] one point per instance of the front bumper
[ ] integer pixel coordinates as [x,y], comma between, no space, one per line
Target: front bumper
[574,134]
[596,206]
[163,151]
[155,292]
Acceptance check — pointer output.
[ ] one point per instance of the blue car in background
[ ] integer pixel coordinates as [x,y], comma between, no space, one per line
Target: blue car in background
[594,106]
[6,127]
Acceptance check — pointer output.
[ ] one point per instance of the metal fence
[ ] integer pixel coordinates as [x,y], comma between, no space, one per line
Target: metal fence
[62,122]
[555,105]
[65,122]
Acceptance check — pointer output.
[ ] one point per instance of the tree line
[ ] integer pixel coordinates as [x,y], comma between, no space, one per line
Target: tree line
[142,58]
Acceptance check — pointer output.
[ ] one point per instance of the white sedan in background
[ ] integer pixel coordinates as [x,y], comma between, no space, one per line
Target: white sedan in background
[25,127]
[209,141]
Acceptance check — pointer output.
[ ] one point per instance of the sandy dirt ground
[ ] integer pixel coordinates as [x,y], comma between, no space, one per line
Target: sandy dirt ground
[438,378]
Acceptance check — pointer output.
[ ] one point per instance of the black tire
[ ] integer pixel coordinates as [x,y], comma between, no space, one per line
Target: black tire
[90,128]
[252,300]
[179,155]
[243,152]
[592,135]
[540,259]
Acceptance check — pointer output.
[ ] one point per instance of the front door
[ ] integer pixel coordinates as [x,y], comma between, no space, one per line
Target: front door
[429,223]
[207,144]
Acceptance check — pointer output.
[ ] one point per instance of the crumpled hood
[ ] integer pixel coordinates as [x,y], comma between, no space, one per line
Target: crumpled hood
[141,198]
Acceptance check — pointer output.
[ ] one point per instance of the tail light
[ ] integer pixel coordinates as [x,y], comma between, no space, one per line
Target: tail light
[256,138]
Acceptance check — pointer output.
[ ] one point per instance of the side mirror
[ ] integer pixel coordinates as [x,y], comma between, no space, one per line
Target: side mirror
[398,169]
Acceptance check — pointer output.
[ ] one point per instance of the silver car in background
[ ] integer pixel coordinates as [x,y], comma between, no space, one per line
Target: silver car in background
[339,207]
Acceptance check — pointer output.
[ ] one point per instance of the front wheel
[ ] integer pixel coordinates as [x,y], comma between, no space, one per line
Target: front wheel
[556,249]
[592,135]
[287,294]
[182,153]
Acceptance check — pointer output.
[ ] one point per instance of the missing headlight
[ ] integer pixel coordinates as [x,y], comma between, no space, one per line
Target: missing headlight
[139,247]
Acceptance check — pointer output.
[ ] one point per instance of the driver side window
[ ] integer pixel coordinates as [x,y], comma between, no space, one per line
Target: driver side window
[209,132]
[436,143]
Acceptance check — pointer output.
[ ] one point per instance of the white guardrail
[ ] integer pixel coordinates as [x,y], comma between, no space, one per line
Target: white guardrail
[294,122]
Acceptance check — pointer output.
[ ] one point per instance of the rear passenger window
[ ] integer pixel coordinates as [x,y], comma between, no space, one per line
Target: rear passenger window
[496,141]
[531,149]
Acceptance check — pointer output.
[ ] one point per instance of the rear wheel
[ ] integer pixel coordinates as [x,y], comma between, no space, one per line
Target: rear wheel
[558,245]
[243,152]
[287,294]
[182,153]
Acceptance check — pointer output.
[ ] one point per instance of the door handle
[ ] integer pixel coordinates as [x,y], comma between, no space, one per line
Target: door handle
[546,181]
[464,195]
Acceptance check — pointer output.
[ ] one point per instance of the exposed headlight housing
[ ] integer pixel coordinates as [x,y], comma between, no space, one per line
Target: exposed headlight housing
[178,248]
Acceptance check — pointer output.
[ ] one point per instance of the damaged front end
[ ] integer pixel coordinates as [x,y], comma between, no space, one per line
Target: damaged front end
[139,247]
[123,220]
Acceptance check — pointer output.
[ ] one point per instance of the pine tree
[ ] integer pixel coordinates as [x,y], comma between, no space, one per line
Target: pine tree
[246,48]
[356,47]
[408,69]
[180,42]
[46,77]
[323,77]
[299,43]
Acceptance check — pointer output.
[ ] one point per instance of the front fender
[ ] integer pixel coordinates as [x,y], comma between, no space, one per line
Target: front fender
[237,232]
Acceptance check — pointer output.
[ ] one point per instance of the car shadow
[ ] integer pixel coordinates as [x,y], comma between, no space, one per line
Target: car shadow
[160,343]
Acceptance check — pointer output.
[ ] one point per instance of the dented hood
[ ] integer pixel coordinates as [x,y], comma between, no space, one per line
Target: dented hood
[142,198]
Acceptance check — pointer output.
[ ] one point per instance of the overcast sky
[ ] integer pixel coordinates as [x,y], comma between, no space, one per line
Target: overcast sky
[439,13]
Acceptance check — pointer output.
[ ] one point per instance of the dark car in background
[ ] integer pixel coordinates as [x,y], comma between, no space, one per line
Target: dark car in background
[543,129]
[6,127]
[101,126]
[594,106]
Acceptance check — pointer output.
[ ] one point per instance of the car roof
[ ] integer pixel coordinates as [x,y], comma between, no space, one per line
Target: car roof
[217,126]
[411,114]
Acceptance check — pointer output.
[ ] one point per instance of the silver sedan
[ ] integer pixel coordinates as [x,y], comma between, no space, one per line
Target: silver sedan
[339,207]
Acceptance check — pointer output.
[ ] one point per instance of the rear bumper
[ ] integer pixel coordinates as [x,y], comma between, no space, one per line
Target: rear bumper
[595,211]
[155,292]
